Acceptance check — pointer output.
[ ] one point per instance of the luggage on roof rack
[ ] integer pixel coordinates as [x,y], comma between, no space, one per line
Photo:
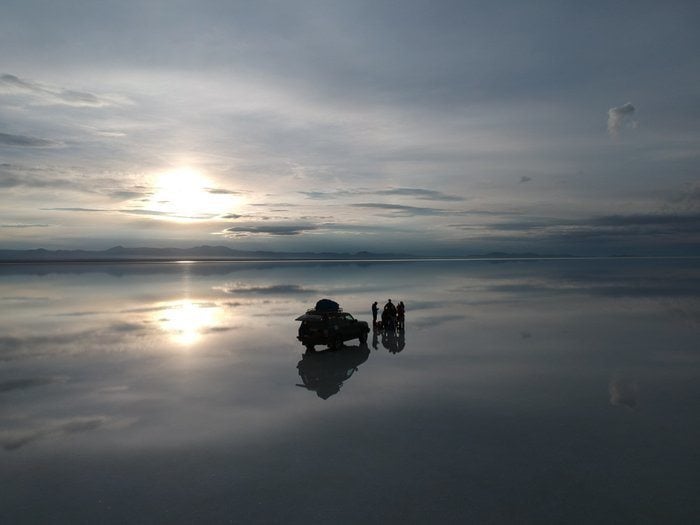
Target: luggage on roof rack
[326,305]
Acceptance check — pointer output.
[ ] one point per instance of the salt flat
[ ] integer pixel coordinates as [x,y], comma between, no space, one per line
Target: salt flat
[522,391]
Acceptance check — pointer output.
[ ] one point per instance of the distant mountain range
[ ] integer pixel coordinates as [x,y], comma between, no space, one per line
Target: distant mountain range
[215,253]
[199,253]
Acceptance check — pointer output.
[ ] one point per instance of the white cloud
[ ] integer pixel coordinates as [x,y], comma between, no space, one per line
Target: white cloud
[617,117]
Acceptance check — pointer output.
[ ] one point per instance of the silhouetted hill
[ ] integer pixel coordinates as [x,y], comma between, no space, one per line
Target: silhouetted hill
[526,255]
[199,253]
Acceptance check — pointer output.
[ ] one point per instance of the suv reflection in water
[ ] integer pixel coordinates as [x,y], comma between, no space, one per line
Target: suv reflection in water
[324,372]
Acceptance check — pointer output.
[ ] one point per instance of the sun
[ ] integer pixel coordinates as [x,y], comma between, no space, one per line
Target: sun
[184,194]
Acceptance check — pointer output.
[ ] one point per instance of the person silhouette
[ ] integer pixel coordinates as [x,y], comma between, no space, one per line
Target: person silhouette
[389,316]
[375,311]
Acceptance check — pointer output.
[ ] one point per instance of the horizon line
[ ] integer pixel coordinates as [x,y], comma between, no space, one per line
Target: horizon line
[166,260]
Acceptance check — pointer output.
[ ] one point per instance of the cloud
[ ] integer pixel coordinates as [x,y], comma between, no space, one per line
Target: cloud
[141,212]
[143,309]
[24,226]
[17,439]
[24,141]
[51,95]
[402,210]
[155,213]
[12,179]
[126,327]
[25,298]
[599,284]
[223,191]
[617,116]
[72,179]
[623,393]
[275,289]
[530,224]
[524,179]
[84,313]
[686,200]
[632,225]
[433,321]
[323,195]
[651,219]
[270,229]
[418,193]
[76,209]
[34,345]
[219,329]
[127,194]
[30,382]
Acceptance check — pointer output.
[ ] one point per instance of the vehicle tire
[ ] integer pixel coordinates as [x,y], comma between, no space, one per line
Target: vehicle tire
[363,338]
[310,348]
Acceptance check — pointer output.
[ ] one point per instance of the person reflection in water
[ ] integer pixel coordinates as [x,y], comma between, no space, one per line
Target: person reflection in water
[393,341]
[324,372]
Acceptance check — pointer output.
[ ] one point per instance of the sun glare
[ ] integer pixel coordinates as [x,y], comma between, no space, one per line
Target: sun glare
[186,321]
[185,195]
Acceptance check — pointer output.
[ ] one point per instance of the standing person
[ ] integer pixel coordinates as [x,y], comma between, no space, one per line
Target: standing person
[375,311]
[400,314]
[389,315]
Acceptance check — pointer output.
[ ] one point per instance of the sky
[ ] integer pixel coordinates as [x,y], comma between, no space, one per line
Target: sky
[422,127]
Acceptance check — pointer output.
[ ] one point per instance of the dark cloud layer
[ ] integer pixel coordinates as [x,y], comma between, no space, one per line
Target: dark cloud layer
[76,425]
[24,383]
[400,209]
[275,289]
[7,139]
[223,191]
[78,209]
[22,226]
[609,226]
[271,229]
[651,219]
[50,94]
[417,193]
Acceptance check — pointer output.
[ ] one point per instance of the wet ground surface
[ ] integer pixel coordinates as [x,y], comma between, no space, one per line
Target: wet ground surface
[519,392]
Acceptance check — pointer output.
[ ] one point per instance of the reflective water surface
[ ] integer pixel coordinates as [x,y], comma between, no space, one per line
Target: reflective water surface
[520,392]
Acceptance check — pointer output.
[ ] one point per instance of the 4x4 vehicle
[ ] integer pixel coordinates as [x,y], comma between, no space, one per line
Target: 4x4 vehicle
[328,325]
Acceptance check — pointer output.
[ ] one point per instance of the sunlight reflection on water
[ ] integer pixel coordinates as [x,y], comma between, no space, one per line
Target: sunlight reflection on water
[187,321]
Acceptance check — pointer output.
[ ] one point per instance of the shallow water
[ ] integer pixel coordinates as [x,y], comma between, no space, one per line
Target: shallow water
[533,391]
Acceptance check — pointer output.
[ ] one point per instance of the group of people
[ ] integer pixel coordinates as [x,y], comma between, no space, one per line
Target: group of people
[393,316]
